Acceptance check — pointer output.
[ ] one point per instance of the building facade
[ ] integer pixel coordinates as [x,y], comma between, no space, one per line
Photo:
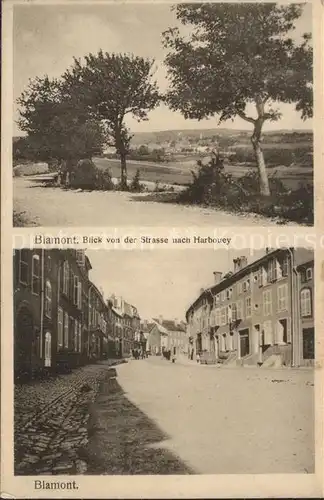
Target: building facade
[61,319]
[252,315]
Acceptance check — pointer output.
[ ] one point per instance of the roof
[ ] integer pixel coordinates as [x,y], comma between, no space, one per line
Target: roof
[303,256]
[171,325]
[161,328]
[117,312]
[148,327]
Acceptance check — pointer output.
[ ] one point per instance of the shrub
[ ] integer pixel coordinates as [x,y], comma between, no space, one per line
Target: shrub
[136,186]
[87,176]
[211,186]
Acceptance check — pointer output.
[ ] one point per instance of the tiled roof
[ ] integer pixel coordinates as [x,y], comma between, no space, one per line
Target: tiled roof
[147,328]
[171,325]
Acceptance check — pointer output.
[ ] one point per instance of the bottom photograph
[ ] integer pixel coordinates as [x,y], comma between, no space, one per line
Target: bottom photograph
[163,361]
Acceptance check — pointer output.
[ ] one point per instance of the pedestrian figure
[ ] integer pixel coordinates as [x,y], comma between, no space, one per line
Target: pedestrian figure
[198,357]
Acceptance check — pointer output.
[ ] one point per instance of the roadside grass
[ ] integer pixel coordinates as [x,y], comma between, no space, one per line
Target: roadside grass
[20,219]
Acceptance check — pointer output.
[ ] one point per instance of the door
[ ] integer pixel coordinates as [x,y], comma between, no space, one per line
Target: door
[24,343]
[48,349]
[244,342]
[308,343]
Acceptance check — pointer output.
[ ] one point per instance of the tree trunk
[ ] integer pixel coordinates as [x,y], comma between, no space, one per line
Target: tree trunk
[123,176]
[256,143]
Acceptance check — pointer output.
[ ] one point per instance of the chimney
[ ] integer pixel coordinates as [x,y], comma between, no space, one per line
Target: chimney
[160,319]
[243,261]
[237,264]
[217,277]
[145,324]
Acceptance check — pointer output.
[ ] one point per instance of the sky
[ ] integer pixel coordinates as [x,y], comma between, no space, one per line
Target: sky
[46,37]
[161,282]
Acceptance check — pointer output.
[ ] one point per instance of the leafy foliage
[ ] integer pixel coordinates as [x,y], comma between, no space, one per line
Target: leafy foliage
[212,187]
[235,55]
[136,186]
[111,86]
[87,176]
[57,127]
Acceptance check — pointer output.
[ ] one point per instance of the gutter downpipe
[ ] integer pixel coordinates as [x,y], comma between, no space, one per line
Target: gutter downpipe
[294,311]
[89,319]
[42,307]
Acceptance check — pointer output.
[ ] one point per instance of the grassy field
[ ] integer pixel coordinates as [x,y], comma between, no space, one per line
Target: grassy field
[180,173]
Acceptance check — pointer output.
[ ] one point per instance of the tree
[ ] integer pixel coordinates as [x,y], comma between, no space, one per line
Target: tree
[235,55]
[57,126]
[112,86]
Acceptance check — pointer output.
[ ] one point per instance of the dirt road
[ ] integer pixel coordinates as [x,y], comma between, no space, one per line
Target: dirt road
[164,418]
[51,206]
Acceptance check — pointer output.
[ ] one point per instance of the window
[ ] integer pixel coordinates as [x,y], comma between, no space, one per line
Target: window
[76,335]
[248,306]
[217,298]
[224,315]
[246,285]
[36,274]
[309,274]
[66,330]
[239,307]
[223,295]
[282,298]
[272,270]
[306,302]
[23,266]
[229,292]
[234,312]
[282,268]
[267,332]
[48,299]
[261,273]
[49,264]
[239,288]
[66,277]
[75,290]
[80,295]
[60,320]
[217,317]
[267,303]
[80,257]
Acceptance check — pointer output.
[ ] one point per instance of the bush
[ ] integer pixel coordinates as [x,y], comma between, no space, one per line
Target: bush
[87,176]
[136,186]
[212,187]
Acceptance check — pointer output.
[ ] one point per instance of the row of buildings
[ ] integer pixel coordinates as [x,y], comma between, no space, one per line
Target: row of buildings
[258,313]
[61,319]
[165,335]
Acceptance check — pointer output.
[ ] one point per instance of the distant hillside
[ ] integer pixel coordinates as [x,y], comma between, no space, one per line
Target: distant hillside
[239,136]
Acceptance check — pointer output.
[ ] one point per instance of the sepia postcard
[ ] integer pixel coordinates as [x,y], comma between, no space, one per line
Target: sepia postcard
[163,251]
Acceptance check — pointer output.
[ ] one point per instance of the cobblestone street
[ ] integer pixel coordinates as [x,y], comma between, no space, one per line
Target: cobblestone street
[51,419]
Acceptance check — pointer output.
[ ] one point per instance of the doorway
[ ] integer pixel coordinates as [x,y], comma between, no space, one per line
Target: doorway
[24,343]
[308,343]
[244,342]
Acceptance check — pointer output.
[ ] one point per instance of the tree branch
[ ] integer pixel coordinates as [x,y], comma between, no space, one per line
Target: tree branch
[242,115]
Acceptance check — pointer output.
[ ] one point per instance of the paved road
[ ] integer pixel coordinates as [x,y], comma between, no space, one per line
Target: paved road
[214,420]
[50,206]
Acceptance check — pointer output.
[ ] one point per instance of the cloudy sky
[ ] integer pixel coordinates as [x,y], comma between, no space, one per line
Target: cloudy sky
[160,282]
[46,37]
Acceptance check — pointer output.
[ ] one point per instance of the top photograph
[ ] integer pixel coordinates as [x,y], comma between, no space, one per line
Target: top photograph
[188,114]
